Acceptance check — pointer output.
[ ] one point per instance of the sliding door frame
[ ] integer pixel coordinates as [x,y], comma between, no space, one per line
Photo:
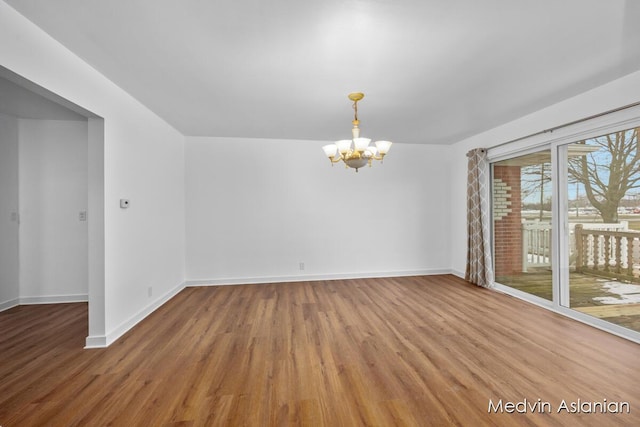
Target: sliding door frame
[557,142]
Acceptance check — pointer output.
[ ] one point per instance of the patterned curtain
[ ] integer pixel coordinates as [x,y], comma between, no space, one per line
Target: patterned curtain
[479,266]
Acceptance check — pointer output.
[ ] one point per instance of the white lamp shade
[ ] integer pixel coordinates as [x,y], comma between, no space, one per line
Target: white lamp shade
[330,150]
[344,145]
[361,143]
[383,146]
[356,163]
[372,150]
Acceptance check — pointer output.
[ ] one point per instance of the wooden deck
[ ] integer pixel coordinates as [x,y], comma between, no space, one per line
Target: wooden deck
[606,311]
[583,289]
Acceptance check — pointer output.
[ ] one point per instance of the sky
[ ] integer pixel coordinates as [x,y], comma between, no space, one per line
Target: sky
[531,180]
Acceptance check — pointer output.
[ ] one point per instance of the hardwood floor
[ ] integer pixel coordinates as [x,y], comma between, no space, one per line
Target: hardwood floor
[417,351]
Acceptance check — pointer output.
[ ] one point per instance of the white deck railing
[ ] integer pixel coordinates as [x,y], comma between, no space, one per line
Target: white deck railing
[536,242]
[609,253]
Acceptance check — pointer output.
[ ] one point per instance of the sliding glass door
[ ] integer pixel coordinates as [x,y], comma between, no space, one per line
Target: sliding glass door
[603,219]
[521,202]
[566,227]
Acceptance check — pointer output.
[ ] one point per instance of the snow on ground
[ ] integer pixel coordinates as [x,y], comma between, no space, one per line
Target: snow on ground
[629,294]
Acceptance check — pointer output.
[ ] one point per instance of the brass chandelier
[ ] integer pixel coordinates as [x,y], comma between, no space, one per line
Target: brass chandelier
[356,152]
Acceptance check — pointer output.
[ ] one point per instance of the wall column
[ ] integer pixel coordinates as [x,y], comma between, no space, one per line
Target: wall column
[507,220]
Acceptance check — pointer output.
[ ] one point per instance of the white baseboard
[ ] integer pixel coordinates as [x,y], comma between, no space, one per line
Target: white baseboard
[53,299]
[315,277]
[6,305]
[458,273]
[100,341]
[95,341]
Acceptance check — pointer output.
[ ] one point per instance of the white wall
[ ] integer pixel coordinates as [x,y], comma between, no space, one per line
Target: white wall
[53,191]
[143,161]
[257,208]
[9,285]
[618,93]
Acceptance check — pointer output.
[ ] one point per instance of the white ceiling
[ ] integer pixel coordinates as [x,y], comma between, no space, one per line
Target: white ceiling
[433,71]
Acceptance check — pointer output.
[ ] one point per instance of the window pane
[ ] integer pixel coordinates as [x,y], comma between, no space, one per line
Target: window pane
[522,223]
[604,219]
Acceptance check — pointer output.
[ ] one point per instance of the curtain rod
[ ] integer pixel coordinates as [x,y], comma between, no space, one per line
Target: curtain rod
[584,119]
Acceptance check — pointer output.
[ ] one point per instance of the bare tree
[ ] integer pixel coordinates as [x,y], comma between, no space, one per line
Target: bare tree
[610,172]
[534,179]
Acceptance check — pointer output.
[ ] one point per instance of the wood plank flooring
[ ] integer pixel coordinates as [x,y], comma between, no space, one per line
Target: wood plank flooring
[412,351]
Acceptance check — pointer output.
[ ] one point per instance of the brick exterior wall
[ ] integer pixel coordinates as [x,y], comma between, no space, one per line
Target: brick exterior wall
[507,217]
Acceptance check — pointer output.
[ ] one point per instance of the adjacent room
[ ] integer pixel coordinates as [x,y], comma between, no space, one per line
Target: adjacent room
[335,213]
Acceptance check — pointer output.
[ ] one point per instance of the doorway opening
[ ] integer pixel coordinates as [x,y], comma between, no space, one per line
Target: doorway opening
[52,194]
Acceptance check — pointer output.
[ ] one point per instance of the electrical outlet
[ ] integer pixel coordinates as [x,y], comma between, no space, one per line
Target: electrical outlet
[301,266]
[14,216]
[82,216]
[150,291]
